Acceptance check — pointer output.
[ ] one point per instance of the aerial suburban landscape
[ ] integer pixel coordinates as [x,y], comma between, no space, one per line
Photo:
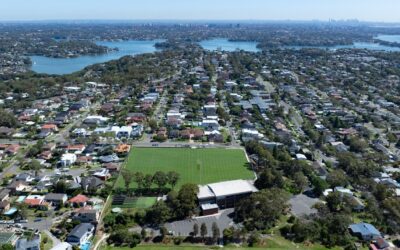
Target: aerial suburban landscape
[199,134]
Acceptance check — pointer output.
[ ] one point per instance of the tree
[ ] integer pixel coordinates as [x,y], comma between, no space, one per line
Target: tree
[139,179]
[319,185]
[133,240]
[337,178]
[160,179]
[153,125]
[35,166]
[253,239]
[22,211]
[61,187]
[229,235]
[215,232]
[6,247]
[358,145]
[187,197]
[382,192]
[195,230]
[305,230]
[173,178]
[143,233]
[163,231]
[334,201]
[8,119]
[127,176]
[301,181]
[269,178]
[118,237]
[203,230]
[260,210]
[147,181]
[159,213]
[121,219]
[392,138]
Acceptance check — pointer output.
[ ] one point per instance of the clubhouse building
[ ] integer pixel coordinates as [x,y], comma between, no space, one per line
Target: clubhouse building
[222,195]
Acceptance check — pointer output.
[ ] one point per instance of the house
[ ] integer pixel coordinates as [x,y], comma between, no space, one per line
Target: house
[380,244]
[56,199]
[339,146]
[137,130]
[84,160]
[112,167]
[25,244]
[364,231]
[79,200]
[80,234]
[46,155]
[122,149]
[136,117]
[25,177]
[34,200]
[12,149]
[8,238]
[49,127]
[17,187]
[95,120]
[91,183]
[79,132]
[103,174]
[6,132]
[210,124]
[49,147]
[124,132]
[162,132]
[87,216]
[4,206]
[4,194]
[68,159]
[109,158]
[251,134]
[75,149]
[62,246]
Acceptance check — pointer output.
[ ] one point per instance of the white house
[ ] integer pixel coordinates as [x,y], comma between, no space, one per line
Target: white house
[210,124]
[68,160]
[251,134]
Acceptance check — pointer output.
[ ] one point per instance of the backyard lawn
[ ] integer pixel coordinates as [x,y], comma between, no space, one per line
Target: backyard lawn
[198,166]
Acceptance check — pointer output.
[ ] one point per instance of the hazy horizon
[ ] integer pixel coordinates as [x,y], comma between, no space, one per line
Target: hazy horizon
[205,10]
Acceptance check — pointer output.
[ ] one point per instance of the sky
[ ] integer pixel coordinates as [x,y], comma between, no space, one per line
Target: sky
[364,10]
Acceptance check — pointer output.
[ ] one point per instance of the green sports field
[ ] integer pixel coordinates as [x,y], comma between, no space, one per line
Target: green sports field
[199,166]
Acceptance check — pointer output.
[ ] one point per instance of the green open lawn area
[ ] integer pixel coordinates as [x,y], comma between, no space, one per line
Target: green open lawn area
[138,203]
[198,166]
[276,243]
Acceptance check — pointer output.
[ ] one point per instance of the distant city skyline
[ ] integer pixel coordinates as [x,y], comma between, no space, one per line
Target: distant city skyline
[300,10]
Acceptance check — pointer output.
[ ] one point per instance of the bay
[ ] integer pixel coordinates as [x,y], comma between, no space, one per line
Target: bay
[59,66]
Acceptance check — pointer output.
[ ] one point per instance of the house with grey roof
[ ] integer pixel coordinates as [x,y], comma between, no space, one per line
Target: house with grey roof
[56,199]
[25,244]
[80,234]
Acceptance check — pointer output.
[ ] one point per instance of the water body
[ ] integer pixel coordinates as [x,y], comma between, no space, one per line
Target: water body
[59,66]
[357,45]
[226,45]
[389,38]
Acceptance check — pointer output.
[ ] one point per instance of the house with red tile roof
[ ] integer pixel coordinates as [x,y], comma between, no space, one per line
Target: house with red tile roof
[34,200]
[49,127]
[79,200]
